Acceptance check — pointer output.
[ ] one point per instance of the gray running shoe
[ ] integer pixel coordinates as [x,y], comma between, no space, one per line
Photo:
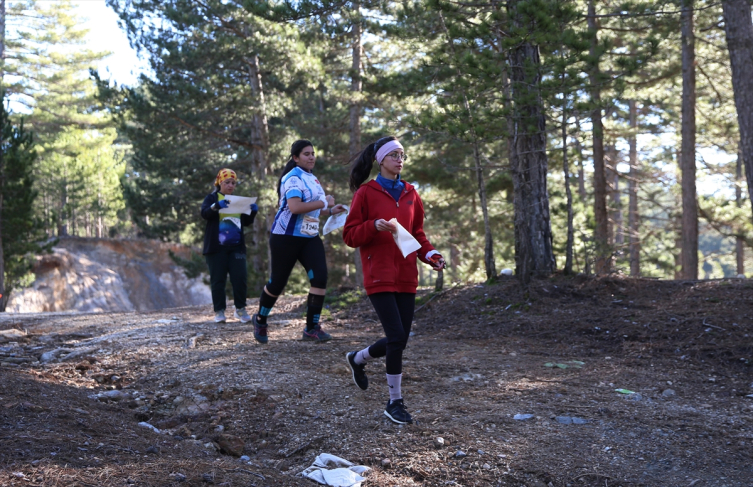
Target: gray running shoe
[316,335]
[241,314]
[219,316]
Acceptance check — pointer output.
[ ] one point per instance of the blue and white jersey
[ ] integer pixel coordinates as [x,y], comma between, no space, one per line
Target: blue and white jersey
[298,184]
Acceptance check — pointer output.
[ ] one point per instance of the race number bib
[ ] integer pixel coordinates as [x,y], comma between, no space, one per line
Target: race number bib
[310,226]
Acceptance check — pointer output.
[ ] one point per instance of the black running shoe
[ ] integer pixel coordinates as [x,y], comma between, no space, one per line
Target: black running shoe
[260,331]
[359,375]
[395,410]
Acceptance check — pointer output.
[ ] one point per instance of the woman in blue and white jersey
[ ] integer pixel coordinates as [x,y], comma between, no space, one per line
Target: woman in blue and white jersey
[295,237]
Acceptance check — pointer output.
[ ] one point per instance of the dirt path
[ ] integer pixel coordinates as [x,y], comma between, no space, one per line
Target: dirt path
[480,356]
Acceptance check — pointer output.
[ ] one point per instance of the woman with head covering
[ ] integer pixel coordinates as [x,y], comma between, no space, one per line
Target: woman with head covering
[389,278]
[295,238]
[225,246]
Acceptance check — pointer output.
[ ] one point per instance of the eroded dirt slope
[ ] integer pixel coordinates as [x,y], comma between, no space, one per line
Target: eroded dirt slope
[480,356]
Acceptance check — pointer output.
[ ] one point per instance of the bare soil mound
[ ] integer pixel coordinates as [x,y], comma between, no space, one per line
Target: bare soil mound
[481,356]
[110,275]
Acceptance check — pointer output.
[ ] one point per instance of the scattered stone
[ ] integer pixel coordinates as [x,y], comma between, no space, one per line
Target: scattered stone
[208,478]
[178,477]
[53,355]
[467,377]
[481,452]
[144,424]
[487,466]
[522,417]
[386,463]
[231,444]
[11,335]
[438,442]
[19,475]
[154,449]
[245,458]
[80,411]
[668,392]
[114,395]
[749,396]
[570,420]
[77,354]
[16,360]
[460,454]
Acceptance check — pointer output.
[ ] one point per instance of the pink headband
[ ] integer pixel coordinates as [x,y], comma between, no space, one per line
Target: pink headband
[386,149]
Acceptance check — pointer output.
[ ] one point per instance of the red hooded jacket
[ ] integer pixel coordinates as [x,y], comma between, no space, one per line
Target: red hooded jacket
[384,267]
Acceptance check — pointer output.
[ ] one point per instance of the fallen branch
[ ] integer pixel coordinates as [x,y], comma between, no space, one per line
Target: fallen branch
[712,326]
[435,296]
[247,471]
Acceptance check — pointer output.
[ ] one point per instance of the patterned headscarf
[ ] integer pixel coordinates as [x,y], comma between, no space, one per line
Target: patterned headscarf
[223,175]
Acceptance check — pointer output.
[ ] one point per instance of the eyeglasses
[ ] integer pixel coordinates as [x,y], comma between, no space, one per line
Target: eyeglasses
[397,156]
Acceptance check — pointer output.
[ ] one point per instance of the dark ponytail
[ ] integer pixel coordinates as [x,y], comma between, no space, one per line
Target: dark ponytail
[295,150]
[362,163]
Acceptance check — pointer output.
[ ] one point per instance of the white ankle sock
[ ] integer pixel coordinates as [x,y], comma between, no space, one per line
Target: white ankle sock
[362,357]
[394,382]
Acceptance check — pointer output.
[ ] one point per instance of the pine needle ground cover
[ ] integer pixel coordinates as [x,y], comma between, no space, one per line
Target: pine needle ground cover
[656,390]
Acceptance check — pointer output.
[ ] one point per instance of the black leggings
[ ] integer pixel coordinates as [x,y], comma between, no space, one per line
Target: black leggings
[286,250]
[232,261]
[395,311]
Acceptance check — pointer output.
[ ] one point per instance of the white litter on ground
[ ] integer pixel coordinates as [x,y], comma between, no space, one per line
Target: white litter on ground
[335,471]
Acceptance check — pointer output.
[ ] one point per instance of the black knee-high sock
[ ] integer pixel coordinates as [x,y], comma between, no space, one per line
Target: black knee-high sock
[313,310]
[266,303]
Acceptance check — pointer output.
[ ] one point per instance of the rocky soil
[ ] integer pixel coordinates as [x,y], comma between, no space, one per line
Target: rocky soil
[509,388]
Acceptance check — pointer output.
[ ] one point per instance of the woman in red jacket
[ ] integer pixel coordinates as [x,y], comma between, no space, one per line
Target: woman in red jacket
[389,278]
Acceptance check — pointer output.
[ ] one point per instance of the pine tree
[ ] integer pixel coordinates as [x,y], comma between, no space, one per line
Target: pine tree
[19,231]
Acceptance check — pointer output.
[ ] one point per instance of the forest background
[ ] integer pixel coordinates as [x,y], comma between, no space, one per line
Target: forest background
[545,136]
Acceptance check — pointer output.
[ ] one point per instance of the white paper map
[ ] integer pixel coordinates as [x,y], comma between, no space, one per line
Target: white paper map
[404,240]
[336,221]
[238,204]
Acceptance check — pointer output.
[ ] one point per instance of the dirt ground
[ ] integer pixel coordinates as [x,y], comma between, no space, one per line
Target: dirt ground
[479,356]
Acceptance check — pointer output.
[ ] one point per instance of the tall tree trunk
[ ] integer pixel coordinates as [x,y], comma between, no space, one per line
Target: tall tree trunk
[261,128]
[356,86]
[634,240]
[528,162]
[601,232]
[678,246]
[689,253]
[566,169]
[739,30]
[581,170]
[489,264]
[610,163]
[260,139]
[3,297]
[739,241]
[619,231]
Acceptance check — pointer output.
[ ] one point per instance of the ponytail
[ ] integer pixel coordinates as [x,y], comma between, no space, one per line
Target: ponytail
[295,150]
[362,163]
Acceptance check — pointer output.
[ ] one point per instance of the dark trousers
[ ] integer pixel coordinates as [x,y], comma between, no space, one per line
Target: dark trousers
[286,251]
[232,261]
[395,311]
